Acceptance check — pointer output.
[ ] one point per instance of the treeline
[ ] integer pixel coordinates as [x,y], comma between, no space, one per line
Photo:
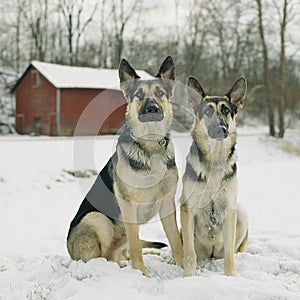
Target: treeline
[217,41]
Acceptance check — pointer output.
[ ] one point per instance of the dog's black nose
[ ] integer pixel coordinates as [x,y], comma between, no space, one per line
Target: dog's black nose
[151,107]
[222,130]
[150,112]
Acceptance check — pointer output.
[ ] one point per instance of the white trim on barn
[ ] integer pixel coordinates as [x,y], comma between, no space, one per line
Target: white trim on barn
[62,76]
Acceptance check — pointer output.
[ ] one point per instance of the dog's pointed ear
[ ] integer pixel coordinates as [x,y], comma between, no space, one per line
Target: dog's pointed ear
[167,73]
[195,92]
[237,93]
[127,76]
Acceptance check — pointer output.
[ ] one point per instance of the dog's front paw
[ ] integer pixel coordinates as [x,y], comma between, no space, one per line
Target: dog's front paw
[145,272]
[189,264]
[142,269]
[230,272]
[189,272]
[229,268]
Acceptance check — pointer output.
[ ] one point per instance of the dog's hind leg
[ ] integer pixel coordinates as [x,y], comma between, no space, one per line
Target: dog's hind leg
[91,238]
[83,244]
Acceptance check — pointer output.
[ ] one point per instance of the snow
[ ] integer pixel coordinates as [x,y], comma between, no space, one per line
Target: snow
[62,76]
[39,197]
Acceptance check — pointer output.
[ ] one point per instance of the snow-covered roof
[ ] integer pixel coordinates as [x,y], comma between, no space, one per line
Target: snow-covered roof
[62,76]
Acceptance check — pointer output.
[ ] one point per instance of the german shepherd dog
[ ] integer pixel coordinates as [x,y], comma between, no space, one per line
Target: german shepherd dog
[138,181]
[213,224]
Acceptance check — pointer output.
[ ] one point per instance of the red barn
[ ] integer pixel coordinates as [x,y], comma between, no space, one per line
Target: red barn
[51,99]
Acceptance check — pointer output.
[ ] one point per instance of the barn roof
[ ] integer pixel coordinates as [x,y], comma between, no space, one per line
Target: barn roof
[62,76]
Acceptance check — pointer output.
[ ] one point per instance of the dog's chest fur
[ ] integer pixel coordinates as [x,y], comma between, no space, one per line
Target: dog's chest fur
[145,181]
[210,183]
[211,218]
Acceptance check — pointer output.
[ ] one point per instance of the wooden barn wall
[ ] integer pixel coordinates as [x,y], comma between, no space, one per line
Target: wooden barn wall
[35,103]
[36,108]
[100,111]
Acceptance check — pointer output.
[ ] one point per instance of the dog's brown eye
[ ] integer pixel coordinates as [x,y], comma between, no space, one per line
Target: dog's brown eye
[225,110]
[159,93]
[140,94]
[209,111]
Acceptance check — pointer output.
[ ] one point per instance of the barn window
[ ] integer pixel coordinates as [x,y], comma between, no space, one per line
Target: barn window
[36,78]
[37,122]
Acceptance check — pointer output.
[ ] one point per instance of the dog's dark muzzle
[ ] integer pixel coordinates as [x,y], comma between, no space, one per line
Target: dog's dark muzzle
[218,132]
[151,112]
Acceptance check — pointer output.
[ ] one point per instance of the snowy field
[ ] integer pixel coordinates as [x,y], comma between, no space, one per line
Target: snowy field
[39,196]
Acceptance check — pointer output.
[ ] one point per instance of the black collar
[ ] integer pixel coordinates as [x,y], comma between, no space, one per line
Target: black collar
[128,137]
[162,142]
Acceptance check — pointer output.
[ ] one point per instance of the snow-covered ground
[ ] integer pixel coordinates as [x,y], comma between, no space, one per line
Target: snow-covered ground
[39,196]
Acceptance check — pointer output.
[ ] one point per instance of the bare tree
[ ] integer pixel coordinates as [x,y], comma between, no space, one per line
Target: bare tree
[267,83]
[177,31]
[72,14]
[283,21]
[121,14]
[18,30]
[281,109]
[104,40]
[220,32]
[195,39]
[36,16]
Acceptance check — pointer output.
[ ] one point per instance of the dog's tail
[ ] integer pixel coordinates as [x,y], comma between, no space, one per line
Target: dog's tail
[148,244]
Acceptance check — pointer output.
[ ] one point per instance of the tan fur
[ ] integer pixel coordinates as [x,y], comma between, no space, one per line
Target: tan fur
[144,176]
[139,205]
[96,236]
[147,191]
[152,130]
[213,224]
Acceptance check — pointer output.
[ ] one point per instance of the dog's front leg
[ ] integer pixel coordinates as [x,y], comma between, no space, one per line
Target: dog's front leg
[167,215]
[129,215]
[135,248]
[229,236]
[189,254]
